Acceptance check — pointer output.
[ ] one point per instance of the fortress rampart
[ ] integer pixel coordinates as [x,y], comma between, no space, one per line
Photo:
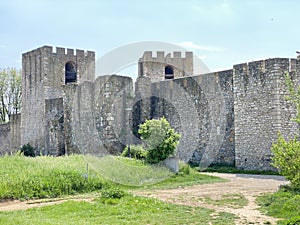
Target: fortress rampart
[228,117]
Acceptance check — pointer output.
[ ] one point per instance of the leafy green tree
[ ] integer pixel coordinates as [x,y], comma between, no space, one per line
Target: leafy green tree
[10,93]
[160,139]
[287,153]
[287,159]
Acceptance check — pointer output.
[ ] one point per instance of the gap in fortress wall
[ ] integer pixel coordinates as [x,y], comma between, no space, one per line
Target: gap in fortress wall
[228,117]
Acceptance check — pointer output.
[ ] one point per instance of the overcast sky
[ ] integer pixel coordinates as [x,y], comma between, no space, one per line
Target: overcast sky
[221,32]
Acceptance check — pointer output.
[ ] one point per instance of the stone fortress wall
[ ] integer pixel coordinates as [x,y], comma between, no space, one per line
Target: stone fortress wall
[228,117]
[43,81]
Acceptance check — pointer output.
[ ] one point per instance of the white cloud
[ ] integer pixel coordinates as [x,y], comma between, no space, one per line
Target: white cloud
[2,46]
[192,46]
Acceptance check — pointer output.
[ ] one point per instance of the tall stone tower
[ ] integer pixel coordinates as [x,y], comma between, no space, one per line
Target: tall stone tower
[163,67]
[45,73]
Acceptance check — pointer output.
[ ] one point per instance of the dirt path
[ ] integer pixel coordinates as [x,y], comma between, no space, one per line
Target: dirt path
[21,205]
[250,186]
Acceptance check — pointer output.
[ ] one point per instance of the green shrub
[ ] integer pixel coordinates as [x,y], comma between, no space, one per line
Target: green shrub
[160,139]
[184,168]
[112,192]
[287,159]
[136,152]
[28,150]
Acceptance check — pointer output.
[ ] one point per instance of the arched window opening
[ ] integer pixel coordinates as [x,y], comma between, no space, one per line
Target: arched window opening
[70,72]
[169,72]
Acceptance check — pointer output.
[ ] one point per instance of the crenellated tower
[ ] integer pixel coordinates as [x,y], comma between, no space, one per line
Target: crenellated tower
[45,73]
[165,67]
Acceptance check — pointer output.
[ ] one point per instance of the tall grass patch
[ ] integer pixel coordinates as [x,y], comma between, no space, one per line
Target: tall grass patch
[282,204]
[44,177]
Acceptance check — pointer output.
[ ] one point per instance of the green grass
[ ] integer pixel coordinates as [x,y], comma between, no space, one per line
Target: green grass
[135,174]
[127,210]
[232,169]
[45,177]
[49,177]
[127,171]
[285,204]
[183,180]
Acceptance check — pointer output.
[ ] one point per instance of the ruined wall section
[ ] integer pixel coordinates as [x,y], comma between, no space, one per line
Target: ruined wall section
[154,67]
[96,115]
[81,123]
[113,105]
[5,136]
[70,98]
[10,135]
[260,111]
[54,127]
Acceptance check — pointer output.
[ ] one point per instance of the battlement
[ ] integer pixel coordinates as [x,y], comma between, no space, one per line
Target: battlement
[263,66]
[61,51]
[160,56]
[165,66]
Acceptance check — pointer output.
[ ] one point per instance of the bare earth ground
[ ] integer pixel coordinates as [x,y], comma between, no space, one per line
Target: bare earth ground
[250,186]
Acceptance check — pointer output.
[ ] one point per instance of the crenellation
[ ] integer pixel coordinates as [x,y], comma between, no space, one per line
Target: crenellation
[80,53]
[70,52]
[177,55]
[147,56]
[160,55]
[90,54]
[60,51]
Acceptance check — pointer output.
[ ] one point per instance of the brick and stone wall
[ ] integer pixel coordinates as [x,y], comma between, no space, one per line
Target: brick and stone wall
[260,111]
[10,135]
[200,108]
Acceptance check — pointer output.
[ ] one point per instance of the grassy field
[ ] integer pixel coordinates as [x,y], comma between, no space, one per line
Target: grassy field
[48,177]
[127,210]
[285,204]
[43,177]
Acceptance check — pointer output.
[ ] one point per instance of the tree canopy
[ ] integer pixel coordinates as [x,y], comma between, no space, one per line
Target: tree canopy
[10,93]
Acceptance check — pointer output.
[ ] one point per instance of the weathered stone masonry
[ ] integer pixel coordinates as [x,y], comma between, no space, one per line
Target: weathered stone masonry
[229,117]
[260,109]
